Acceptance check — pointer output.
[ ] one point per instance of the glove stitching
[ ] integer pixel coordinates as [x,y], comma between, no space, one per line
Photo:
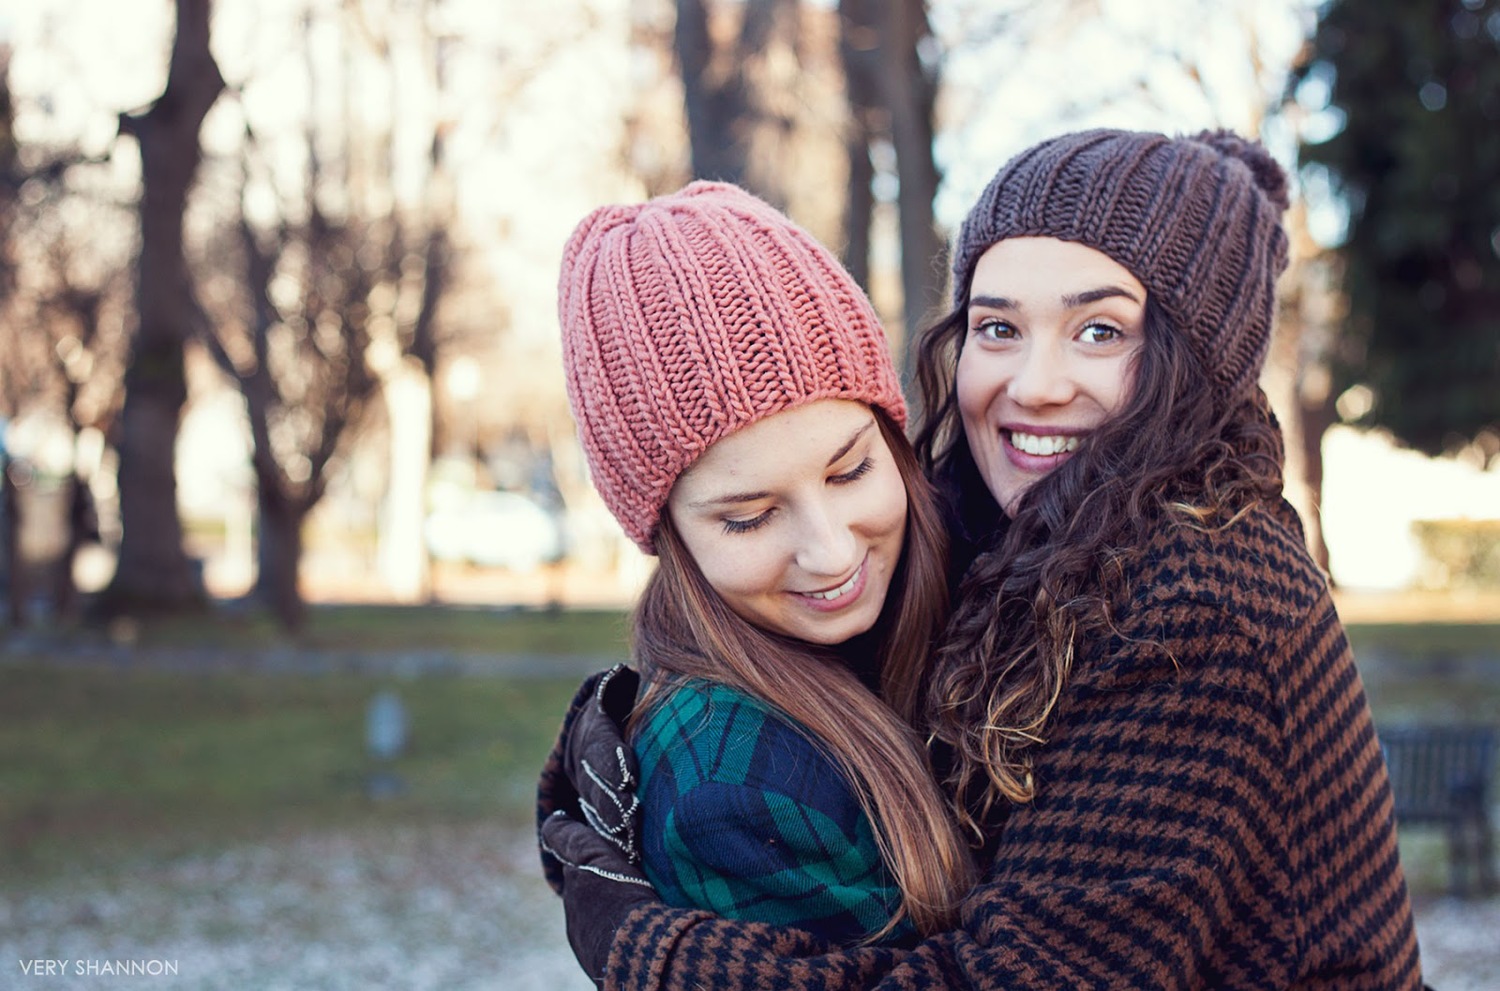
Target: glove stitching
[626,813]
[597,871]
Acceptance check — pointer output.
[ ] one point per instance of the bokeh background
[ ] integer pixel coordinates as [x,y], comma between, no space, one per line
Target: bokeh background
[300,557]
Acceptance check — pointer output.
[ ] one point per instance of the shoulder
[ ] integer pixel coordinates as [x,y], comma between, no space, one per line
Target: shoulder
[711,736]
[1243,607]
[701,716]
[746,816]
[1256,571]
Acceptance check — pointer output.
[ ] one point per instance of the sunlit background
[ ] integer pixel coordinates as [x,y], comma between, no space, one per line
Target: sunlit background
[497,126]
[372,406]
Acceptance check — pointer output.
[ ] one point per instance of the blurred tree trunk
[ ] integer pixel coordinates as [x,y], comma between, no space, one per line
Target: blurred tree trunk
[360,292]
[79,308]
[315,404]
[859,51]
[10,545]
[715,92]
[154,572]
[279,550]
[83,529]
[407,385]
[892,94]
[1298,378]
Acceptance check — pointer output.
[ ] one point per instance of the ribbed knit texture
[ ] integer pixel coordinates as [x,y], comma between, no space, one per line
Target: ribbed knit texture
[693,315]
[1197,220]
[1213,812]
[743,815]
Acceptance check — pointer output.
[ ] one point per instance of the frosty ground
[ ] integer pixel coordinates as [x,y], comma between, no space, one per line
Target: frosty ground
[451,907]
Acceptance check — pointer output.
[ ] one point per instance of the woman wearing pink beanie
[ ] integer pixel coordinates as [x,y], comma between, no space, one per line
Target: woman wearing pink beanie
[1144,702]
[742,419]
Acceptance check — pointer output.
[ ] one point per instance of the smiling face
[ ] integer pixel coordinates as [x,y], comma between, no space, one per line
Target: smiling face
[797,520]
[1049,355]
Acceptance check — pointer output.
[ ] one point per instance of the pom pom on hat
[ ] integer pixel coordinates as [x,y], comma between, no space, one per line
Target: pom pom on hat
[693,315]
[1268,174]
[1197,220]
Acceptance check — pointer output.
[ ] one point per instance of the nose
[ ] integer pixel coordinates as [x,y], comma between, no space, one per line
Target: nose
[826,545]
[1041,379]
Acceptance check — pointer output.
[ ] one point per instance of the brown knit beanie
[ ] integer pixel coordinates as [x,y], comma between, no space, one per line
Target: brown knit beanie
[1197,220]
[693,315]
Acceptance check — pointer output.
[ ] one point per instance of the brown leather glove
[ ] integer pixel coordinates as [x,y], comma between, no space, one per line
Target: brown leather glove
[591,774]
[600,888]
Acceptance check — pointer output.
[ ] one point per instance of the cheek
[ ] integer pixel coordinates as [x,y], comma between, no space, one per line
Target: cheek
[974,391]
[735,566]
[888,511]
[972,386]
[1115,387]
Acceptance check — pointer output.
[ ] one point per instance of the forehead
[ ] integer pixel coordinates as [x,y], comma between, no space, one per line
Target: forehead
[780,447]
[1020,263]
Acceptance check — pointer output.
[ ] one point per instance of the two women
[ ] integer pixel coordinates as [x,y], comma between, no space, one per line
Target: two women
[1144,705]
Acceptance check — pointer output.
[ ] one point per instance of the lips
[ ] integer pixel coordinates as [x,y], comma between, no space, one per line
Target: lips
[834,593]
[841,595]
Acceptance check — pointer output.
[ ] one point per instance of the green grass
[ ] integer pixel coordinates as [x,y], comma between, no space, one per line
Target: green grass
[97,762]
[1426,639]
[105,763]
[597,633]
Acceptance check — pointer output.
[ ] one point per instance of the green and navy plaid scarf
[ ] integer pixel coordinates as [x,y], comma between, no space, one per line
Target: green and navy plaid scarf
[743,815]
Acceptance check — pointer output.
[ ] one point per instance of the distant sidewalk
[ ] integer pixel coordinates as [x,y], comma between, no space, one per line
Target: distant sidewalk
[1417,606]
[566,585]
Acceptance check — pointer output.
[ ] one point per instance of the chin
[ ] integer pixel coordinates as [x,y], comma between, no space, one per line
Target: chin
[846,628]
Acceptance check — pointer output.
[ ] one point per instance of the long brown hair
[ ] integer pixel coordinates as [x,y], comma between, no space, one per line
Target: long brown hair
[1049,579]
[683,629]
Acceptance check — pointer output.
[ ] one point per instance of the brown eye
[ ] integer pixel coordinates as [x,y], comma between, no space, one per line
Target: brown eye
[1101,333]
[994,330]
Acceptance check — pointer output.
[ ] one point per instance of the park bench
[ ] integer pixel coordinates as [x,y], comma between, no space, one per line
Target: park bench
[1444,776]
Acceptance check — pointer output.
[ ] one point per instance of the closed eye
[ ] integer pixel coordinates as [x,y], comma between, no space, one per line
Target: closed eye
[753,523]
[857,472]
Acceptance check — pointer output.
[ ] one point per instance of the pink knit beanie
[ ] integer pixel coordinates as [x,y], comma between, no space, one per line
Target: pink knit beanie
[1196,219]
[693,315]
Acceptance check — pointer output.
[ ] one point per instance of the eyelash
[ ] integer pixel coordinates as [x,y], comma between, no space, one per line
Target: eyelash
[857,472]
[756,522]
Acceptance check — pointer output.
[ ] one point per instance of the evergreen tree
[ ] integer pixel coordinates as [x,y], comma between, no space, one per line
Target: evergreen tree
[1418,163]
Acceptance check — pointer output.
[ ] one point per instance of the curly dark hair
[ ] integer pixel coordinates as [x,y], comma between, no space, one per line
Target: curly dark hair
[1177,453]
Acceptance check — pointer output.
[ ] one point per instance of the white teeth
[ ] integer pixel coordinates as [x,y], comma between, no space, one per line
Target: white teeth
[834,593]
[1043,446]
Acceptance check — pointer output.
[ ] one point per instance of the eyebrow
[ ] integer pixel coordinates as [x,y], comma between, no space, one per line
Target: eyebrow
[1069,300]
[734,498]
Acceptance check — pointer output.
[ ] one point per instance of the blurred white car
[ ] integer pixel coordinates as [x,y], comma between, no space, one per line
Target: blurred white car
[494,530]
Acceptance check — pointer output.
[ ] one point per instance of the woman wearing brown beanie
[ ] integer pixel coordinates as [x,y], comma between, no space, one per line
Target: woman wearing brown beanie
[1145,705]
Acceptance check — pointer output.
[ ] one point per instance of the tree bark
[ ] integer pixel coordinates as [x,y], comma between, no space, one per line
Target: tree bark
[279,556]
[154,573]
[716,109]
[10,538]
[1317,417]
[910,94]
[892,95]
[859,44]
